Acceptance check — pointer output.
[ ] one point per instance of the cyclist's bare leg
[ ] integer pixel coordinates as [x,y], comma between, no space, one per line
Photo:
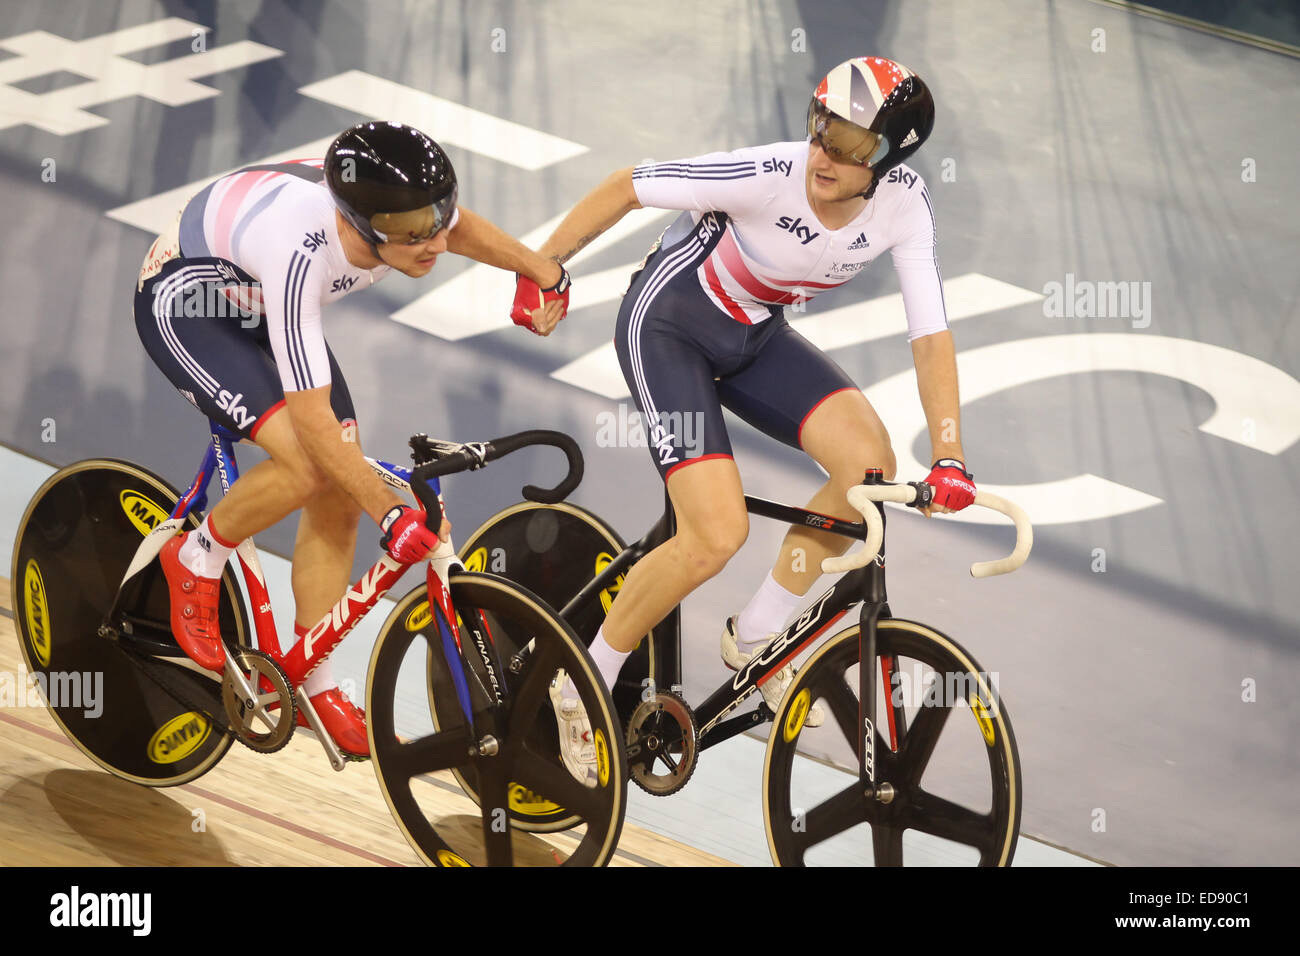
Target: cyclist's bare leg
[712,524]
[273,489]
[323,551]
[846,437]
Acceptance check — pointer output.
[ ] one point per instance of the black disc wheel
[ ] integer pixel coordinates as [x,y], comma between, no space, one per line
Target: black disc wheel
[554,551]
[494,791]
[73,547]
[948,789]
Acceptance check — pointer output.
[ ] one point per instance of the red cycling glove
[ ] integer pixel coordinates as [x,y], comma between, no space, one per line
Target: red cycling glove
[529,296]
[405,538]
[954,486]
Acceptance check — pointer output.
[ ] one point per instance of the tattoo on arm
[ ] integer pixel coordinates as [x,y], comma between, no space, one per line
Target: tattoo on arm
[562,259]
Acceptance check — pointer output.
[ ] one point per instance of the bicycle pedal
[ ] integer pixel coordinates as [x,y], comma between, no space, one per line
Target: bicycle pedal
[337,758]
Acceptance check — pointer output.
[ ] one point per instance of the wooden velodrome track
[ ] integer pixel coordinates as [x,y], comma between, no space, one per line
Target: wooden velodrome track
[286,809]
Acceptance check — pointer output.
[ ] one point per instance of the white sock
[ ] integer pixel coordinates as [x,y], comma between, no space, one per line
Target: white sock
[321,679]
[607,660]
[765,614]
[205,552]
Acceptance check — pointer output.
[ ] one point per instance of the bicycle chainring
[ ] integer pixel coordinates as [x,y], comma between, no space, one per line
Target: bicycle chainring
[256,725]
[662,743]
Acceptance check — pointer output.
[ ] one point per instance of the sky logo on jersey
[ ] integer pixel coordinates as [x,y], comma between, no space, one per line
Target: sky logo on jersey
[314,240]
[230,404]
[343,284]
[782,166]
[897,175]
[859,243]
[802,233]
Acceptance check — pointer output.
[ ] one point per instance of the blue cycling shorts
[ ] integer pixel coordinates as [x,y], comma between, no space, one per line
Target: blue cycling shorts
[217,355]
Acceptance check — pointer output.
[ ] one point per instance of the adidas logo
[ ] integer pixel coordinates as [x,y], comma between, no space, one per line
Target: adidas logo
[859,243]
[908,140]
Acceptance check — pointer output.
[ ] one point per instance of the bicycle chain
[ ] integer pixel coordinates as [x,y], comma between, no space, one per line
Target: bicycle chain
[220,722]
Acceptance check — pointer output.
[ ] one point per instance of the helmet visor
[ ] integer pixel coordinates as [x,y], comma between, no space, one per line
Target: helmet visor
[841,140]
[415,225]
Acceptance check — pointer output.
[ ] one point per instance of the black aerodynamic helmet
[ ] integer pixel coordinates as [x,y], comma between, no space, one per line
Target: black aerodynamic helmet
[871,111]
[391,181]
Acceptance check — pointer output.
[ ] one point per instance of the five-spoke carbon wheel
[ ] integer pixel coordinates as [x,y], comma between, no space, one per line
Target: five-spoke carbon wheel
[466,796]
[946,767]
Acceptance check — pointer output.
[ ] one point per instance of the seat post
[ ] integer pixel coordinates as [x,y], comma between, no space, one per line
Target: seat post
[667,634]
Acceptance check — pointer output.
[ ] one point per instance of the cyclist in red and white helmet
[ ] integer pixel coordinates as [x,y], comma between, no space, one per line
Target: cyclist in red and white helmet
[702,327]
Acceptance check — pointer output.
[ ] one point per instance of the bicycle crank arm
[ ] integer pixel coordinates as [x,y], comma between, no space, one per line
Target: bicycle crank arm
[314,723]
[247,695]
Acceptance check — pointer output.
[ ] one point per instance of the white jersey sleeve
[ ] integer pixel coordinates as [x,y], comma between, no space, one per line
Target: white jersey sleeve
[290,264]
[917,265]
[732,182]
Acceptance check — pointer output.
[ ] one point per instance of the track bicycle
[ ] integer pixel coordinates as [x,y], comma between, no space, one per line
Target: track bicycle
[576,561]
[90,600]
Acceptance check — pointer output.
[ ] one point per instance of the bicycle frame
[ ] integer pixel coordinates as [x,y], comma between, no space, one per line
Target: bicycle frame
[865,585]
[322,638]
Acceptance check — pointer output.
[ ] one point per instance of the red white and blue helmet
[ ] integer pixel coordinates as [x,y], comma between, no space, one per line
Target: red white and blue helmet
[871,111]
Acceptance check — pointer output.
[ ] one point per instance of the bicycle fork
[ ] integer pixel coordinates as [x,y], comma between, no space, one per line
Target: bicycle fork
[874,606]
[453,632]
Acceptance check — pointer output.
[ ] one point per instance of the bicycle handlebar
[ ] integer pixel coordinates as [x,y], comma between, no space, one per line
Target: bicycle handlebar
[863,498]
[435,459]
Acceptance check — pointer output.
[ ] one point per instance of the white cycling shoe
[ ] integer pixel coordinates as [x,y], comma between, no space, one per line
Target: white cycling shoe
[774,689]
[577,748]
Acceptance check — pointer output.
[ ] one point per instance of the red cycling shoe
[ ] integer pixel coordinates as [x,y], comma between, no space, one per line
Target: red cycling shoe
[194,609]
[344,721]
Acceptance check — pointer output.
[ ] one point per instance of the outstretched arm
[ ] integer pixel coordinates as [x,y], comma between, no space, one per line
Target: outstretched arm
[597,211]
[481,240]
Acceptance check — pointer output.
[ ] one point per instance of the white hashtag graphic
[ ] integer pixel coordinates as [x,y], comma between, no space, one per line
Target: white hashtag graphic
[112,75]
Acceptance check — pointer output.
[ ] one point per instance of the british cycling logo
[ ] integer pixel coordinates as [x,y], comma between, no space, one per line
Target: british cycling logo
[804,234]
[782,166]
[670,433]
[838,269]
[75,908]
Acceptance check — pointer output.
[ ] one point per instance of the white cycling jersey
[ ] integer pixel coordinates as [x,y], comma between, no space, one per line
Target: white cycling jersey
[774,251]
[277,224]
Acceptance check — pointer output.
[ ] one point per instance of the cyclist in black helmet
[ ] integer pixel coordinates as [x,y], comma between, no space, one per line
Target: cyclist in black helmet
[228,305]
